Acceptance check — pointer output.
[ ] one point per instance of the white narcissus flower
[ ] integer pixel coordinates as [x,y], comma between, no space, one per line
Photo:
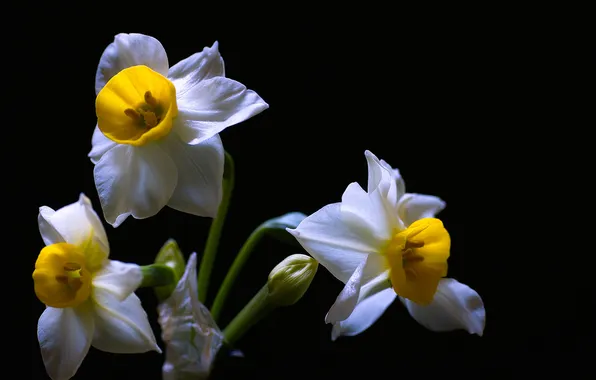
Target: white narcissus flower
[156,142]
[191,336]
[89,299]
[382,243]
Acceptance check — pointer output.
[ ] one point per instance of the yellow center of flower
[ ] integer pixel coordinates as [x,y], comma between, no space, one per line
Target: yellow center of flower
[418,257]
[60,277]
[136,106]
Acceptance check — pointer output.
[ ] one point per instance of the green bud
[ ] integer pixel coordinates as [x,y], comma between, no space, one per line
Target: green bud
[290,279]
[170,256]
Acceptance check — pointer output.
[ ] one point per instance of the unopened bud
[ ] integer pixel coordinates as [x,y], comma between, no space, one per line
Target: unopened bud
[290,279]
[170,256]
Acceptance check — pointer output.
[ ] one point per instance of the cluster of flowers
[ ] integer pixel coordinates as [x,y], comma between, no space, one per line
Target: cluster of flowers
[157,144]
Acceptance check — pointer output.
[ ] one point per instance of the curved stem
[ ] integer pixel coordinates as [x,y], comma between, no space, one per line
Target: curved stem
[255,310]
[215,230]
[234,270]
[374,287]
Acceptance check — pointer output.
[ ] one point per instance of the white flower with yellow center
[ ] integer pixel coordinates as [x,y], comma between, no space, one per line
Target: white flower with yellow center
[156,142]
[383,243]
[89,298]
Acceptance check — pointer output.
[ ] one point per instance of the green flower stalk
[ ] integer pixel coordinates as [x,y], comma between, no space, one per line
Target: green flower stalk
[287,283]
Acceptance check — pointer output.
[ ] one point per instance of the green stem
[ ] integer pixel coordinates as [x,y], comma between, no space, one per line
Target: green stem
[234,271]
[255,310]
[157,275]
[376,286]
[215,230]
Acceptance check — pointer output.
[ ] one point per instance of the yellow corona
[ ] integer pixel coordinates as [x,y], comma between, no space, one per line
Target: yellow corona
[136,106]
[61,278]
[417,258]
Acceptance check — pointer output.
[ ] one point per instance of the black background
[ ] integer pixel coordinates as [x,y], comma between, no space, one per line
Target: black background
[442,99]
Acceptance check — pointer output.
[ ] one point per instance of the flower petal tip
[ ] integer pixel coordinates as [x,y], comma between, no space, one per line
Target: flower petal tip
[119,220]
[335,332]
[84,200]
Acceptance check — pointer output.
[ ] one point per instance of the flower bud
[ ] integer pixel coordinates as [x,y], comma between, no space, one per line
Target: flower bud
[170,256]
[290,279]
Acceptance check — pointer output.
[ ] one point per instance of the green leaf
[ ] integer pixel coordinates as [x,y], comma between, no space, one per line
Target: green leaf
[276,227]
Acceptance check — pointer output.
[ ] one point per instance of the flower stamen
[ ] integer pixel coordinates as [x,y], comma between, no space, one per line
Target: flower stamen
[148,114]
[150,119]
[149,99]
[134,115]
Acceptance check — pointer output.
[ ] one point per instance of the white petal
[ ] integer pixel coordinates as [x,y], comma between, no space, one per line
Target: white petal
[333,243]
[366,215]
[192,338]
[401,185]
[100,144]
[200,175]
[382,178]
[121,327]
[347,299]
[137,181]
[74,223]
[64,338]
[118,278]
[130,50]
[48,233]
[455,306]
[196,68]
[213,105]
[413,207]
[366,312]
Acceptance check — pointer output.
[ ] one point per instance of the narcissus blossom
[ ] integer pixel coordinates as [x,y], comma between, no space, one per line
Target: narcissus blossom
[156,142]
[383,243]
[89,299]
[191,336]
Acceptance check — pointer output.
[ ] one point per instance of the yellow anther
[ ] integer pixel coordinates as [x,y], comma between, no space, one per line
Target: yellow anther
[150,119]
[149,99]
[133,114]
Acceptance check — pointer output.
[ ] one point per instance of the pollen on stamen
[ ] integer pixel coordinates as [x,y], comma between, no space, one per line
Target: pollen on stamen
[410,256]
[414,244]
[132,114]
[149,99]
[150,119]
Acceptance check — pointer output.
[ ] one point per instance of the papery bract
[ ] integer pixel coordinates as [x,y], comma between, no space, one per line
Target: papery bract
[384,242]
[191,336]
[156,142]
[89,298]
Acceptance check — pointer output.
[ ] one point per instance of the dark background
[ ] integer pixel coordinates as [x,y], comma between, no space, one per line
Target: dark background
[442,98]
